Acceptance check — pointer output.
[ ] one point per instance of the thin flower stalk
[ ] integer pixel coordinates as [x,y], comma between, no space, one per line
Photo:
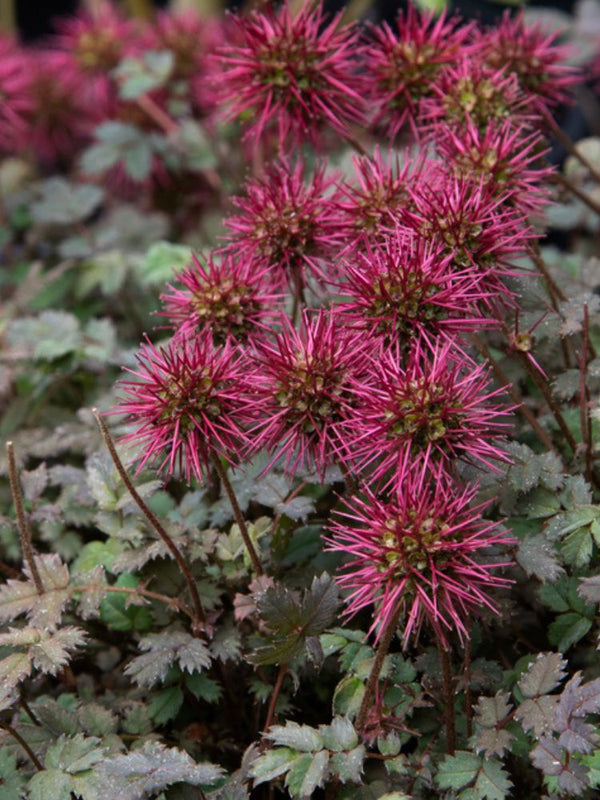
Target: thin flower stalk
[22,524]
[200,618]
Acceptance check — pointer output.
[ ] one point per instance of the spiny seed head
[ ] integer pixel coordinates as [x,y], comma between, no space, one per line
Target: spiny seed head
[405,287]
[472,224]
[185,402]
[223,294]
[532,56]
[470,92]
[431,407]
[291,75]
[405,64]
[95,38]
[287,223]
[418,552]
[379,196]
[303,390]
[505,157]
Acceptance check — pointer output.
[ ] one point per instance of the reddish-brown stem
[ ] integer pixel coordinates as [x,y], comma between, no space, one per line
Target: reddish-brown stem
[274,695]
[157,115]
[385,641]
[25,706]
[577,192]
[237,513]
[554,290]
[173,602]
[448,693]
[350,480]
[586,423]
[18,738]
[291,496]
[547,394]
[467,679]
[571,147]
[514,394]
[199,621]
[24,531]
[355,145]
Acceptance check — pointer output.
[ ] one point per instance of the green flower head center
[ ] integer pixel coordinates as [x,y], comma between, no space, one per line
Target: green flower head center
[412,543]
[404,299]
[286,231]
[486,165]
[313,394]
[421,413]
[97,50]
[229,306]
[290,62]
[460,236]
[523,342]
[479,101]
[528,68]
[193,393]
[379,204]
[410,70]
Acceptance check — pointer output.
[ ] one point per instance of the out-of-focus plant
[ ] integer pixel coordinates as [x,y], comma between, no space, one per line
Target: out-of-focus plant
[337,527]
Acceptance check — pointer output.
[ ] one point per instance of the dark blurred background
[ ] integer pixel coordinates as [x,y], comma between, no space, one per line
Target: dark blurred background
[34,17]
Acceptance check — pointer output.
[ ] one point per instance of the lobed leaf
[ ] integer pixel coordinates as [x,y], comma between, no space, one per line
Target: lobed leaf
[13,669]
[537,557]
[493,741]
[165,705]
[568,629]
[348,766]
[537,714]
[22,597]
[307,772]
[299,737]
[458,770]
[162,262]
[491,710]
[484,777]
[548,756]
[12,779]
[52,651]
[64,203]
[152,767]
[348,696]
[544,675]
[70,764]
[272,764]
[47,650]
[339,735]
[74,754]
[163,650]
[138,76]
[319,606]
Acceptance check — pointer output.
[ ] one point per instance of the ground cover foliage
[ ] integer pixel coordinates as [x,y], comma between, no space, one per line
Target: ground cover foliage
[300,403]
